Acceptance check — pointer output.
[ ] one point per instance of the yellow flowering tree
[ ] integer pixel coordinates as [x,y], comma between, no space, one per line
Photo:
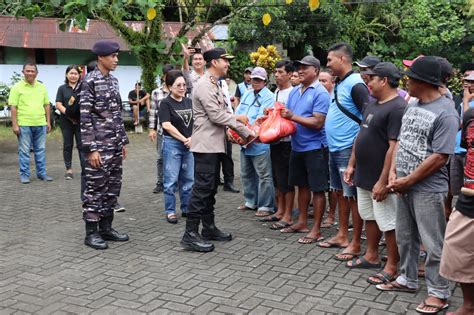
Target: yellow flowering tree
[265,57]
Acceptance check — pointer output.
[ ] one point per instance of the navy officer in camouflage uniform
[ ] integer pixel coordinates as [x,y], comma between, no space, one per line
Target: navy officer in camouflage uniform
[103,140]
[208,142]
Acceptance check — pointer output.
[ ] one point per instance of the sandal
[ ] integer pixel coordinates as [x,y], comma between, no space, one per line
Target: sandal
[346,256]
[244,207]
[293,230]
[171,218]
[381,278]
[329,244]
[309,239]
[421,273]
[437,308]
[269,218]
[395,286]
[263,213]
[279,225]
[327,225]
[363,264]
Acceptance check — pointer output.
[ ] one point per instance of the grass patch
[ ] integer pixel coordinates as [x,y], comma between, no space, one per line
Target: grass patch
[6,134]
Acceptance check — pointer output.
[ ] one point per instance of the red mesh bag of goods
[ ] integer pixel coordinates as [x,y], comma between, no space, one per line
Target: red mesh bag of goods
[276,127]
[237,138]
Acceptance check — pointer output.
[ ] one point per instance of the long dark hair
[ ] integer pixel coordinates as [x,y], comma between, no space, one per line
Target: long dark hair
[71,67]
[172,75]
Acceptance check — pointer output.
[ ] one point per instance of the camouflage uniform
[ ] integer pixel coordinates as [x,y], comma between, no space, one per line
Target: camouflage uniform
[102,130]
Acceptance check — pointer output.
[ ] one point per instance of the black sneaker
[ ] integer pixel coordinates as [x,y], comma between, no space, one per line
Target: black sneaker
[158,189]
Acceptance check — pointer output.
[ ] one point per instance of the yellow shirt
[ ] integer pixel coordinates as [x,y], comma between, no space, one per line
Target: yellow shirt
[29,101]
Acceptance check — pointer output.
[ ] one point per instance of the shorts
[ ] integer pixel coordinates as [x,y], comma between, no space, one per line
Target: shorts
[384,213]
[280,155]
[337,165]
[456,173]
[457,261]
[309,169]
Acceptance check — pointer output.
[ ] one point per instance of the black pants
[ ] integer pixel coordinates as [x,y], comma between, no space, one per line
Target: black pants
[70,131]
[227,165]
[206,171]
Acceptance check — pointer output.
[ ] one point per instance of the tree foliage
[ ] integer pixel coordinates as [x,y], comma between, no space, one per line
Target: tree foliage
[148,44]
[394,29]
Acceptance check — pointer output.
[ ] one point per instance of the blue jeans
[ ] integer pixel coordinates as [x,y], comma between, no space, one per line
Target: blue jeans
[338,161]
[257,180]
[29,136]
[178,171]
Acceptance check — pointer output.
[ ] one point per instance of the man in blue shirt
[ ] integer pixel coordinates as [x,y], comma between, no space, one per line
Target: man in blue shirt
[307,107]
[255,162]
[348,99]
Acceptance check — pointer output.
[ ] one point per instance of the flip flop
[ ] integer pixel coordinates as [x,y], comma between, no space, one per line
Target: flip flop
[438,308]
[364,264]
[279,225]
[382,277]
[326,225]
[269,218]
[328,244]
[394,286]
[262,213]
[293,230]
[244,207]
[309,240]
[339,256]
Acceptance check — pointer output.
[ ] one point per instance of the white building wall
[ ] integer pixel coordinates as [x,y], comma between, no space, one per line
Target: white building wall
[53,76]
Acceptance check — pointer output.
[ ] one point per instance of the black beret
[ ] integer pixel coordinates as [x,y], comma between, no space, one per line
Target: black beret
[105,47]
[216,53]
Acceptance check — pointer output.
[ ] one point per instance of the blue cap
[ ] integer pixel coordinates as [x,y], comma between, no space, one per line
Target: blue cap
[105,47]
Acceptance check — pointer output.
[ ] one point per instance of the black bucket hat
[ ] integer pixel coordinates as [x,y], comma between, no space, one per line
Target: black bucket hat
[426,69]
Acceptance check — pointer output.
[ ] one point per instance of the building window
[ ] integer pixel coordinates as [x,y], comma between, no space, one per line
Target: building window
[46,56]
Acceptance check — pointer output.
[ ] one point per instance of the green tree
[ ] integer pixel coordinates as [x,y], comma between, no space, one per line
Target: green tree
[393,29]
[149,45]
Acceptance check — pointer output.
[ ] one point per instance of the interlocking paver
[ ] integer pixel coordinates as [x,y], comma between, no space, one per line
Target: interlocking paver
[46,269]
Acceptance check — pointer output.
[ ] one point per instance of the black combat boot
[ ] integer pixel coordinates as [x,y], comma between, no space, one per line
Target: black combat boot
[210,232]
[192,240]
[93,238]
[108,233]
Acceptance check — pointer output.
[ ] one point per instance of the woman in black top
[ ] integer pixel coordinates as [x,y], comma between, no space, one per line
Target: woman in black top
[176,118]
[66,97]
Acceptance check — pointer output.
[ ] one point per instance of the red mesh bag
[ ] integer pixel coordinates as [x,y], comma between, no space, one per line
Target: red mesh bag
[276,127]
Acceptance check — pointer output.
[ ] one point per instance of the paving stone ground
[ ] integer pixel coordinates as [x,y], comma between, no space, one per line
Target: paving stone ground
[46,269]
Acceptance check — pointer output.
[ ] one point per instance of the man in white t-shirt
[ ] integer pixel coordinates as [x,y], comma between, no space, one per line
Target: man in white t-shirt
[280,153]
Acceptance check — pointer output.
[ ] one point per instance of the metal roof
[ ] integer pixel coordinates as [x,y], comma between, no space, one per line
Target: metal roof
[44,33]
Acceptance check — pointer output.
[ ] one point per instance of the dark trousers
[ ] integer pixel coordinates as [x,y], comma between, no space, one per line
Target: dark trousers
[206,174]
[103,186]
[227,164]
[70,131]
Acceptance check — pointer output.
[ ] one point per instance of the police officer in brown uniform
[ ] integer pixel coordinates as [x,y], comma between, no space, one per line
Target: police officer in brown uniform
[208,141]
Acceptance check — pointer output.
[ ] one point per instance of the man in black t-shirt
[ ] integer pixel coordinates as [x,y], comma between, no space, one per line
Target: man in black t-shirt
[139,99]
[370,163]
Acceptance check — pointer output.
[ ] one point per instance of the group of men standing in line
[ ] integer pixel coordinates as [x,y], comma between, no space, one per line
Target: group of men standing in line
[363,141]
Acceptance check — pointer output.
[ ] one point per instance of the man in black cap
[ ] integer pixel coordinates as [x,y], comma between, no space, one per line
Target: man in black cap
[367,63]
[211,117]
[419,175]
[243,86]
[103,140]
[370,163]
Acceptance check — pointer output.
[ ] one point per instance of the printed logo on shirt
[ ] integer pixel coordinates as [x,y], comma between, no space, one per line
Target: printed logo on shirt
[367,121]
[186,116]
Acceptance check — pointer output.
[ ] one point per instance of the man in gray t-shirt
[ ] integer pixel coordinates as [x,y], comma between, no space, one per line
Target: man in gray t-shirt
[419,176]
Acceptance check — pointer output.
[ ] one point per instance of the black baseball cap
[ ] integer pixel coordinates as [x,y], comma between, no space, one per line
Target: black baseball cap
[308,61]
[368,62]
[384,70]
[216,53]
